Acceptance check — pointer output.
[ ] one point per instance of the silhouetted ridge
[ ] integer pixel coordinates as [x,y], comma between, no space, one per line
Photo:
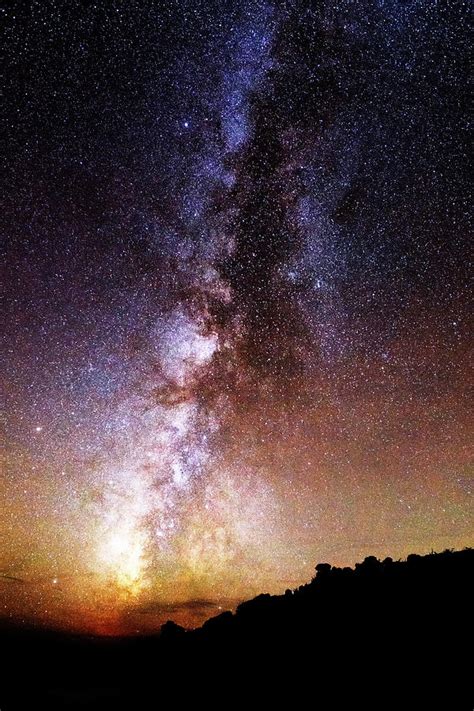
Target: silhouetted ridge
[386,632]
[418,581]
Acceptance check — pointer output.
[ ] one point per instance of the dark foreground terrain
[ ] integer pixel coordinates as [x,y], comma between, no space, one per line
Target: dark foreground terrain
[384,635]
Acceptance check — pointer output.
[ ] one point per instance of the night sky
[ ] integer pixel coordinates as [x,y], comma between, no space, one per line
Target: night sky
[236,300]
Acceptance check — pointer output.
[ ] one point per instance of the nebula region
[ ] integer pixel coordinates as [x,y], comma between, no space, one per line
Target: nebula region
[236,300]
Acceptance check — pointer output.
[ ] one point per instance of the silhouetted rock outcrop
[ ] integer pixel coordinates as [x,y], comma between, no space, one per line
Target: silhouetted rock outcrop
[382,634]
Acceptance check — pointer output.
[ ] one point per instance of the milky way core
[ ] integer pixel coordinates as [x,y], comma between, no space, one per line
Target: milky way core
[236,300]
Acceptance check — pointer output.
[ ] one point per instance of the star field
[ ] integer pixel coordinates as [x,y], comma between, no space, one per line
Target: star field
[237,300]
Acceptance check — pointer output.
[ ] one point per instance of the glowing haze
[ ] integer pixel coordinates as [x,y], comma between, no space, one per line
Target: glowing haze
[237,301]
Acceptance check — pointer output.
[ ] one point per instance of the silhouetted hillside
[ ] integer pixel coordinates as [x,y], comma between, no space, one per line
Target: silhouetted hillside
[386,632]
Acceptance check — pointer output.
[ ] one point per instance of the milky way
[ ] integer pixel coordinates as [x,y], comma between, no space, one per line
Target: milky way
[237,300]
